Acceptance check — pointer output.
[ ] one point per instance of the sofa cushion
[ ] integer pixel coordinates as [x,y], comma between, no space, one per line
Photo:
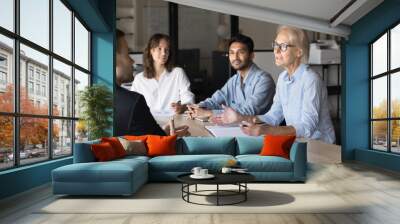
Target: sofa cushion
[111,171]
[103,152]
[185,163]
[116,145]
[135,147]
[277,145]
[161,145]
[257,163]
[206,145]
[142,138]
[249,145]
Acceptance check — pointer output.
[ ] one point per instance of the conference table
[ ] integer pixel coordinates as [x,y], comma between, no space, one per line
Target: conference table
[196,127]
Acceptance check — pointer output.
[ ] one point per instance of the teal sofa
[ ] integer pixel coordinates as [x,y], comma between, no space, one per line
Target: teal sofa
[125,176]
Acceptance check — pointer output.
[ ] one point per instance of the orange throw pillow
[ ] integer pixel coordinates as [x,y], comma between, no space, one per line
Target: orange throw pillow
[277,145]
[142,138]
[116,145]
[161,145]
[103,151]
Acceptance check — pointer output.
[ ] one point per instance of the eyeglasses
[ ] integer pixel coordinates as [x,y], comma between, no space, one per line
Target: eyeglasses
[283,46]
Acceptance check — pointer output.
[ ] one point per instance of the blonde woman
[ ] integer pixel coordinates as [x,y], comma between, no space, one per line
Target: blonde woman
[165,87]
[301,97]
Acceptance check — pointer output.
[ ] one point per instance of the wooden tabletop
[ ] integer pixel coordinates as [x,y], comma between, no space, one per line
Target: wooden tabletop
[196,127]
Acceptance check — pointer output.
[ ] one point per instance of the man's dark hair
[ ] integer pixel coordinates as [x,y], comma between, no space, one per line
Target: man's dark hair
[120,34]
[244,40]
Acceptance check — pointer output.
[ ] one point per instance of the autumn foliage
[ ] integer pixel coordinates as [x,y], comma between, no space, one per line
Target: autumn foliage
[33,131]
[380,127]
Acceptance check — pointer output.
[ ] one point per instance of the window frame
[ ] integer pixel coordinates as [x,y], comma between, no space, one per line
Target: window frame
[388,74]
[16,114]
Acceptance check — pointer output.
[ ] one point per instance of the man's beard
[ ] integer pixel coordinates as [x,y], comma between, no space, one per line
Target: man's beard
[241,66]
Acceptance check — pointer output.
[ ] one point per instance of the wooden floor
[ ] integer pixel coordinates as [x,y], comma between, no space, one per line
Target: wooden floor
[378,189]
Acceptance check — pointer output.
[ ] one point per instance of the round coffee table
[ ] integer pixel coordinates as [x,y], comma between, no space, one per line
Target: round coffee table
[238,179]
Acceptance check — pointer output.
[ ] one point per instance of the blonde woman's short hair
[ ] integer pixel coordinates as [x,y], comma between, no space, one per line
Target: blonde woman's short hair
[299,38]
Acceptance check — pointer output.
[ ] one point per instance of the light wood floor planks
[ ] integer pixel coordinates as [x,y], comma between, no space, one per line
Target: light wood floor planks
[376,189]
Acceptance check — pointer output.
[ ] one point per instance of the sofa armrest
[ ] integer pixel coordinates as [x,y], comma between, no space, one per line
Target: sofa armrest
[298,155]
[83,152]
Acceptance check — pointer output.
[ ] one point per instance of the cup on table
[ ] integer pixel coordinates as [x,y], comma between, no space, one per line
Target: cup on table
[226,170]
[203,172]
[196,170]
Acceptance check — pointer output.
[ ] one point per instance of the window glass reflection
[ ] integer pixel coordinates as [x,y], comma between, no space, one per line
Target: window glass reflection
[379,56]
[379,135]
[34,145]
[395,95]
[395,47]
[6,74]
[62,89]
[81,45]
[81,81]
[7,14]
[62,141]
[6,142]
[379,98]
[34,21]
[62,29]
[34,72]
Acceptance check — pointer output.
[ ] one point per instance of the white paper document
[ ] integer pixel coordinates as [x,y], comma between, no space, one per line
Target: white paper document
[225,131]
[163,113]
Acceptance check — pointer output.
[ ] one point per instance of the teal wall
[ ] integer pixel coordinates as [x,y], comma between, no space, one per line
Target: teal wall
[103,52]
[355,97]
[24,178]
[99,16]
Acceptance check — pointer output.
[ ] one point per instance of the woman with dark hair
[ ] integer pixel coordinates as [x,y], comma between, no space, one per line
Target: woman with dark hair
[164,86]
[132,116]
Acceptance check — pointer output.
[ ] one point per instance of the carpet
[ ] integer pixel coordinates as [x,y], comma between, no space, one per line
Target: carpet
[166,198]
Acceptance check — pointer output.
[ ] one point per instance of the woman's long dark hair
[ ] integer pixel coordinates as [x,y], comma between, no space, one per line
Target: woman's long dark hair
[148,62]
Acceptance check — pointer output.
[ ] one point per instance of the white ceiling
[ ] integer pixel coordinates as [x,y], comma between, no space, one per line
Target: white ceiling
[313,15]
[320,9]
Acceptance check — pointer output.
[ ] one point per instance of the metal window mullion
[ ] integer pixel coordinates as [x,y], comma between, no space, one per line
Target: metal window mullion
[50,81]
[371,92]
[16,84]
[389,101]
[90,69]
[73,82]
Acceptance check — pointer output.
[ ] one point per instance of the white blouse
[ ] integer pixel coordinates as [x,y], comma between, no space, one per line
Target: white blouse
[172,87]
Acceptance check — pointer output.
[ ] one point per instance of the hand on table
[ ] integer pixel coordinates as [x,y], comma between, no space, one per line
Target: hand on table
[180,131]
[178,108]
[230,116]
[196,111]
[252,129]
